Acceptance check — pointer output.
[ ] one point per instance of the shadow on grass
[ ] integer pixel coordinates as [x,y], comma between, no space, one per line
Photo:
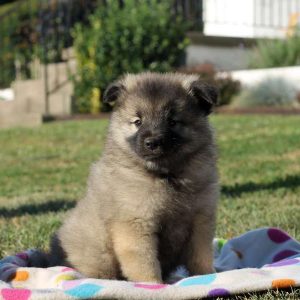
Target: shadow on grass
[37,208]
[289,182]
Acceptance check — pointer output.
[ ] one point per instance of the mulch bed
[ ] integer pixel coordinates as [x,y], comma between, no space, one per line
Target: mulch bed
[73,117]
[257,111]
[219,110]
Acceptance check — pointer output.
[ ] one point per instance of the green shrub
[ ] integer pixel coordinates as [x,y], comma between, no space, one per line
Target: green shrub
[276,53]
[139,36]
[22,25]
[17,39]
[227,87]
[269,92]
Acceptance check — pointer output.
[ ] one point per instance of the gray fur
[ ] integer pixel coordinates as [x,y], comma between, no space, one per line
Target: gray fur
[143,214]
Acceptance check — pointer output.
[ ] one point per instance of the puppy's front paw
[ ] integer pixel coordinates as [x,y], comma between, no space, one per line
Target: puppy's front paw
[142,277]
[201,267]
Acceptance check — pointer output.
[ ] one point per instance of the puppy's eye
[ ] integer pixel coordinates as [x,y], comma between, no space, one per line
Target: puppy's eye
[137,122]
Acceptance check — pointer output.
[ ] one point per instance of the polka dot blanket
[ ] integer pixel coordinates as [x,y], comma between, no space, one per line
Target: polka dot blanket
[261,259]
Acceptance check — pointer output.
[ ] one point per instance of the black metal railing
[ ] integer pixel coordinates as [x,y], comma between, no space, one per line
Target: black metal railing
[275,14]
[267,18]
[191,11]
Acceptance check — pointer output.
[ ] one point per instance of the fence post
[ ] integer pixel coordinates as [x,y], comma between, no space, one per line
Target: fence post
[45,61]
[199,15]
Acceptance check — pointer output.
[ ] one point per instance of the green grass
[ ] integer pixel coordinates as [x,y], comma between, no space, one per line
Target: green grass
[43,172]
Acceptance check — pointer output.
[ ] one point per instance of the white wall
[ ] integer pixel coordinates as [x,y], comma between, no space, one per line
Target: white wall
[248,18]
[228,17]
[252,77]
[223,58]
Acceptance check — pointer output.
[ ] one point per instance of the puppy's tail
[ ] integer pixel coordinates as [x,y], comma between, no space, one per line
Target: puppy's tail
[55,257]
[38,259]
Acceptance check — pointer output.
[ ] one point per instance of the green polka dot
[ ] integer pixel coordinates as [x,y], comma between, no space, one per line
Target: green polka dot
[221,243]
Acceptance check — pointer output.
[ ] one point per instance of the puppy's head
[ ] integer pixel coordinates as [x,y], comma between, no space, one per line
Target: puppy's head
[161,118]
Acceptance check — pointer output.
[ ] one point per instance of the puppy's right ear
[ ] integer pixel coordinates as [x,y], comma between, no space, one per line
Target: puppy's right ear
[205,94]
[113,92]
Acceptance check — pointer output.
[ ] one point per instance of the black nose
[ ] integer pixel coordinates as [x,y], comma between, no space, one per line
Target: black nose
[152,143]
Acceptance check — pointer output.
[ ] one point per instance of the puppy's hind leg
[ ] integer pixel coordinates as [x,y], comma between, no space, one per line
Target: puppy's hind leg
[38,259]
[91,260]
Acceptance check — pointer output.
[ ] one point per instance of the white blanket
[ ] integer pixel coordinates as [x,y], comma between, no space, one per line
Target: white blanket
[258,260]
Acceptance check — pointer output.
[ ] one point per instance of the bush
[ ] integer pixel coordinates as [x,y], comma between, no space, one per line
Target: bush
[276,53]
[16,39]
[20,39]
[228,87]
[138,36]
[269,92]
[26,25]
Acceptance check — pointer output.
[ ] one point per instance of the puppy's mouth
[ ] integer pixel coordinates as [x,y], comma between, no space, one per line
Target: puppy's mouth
[159,155]
[153,157]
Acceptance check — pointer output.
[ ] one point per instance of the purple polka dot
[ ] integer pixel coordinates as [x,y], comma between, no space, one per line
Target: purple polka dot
[22,255]
[284,254]
[218,293]
[260,272]
[278,236]
[286,262]
[4,269]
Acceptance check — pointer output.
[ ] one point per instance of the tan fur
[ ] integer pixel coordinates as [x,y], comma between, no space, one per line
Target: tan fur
[134,223]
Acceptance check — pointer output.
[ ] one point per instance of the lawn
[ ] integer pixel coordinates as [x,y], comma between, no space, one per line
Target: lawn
[44,170]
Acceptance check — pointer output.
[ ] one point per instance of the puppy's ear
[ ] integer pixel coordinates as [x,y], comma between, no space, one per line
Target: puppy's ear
[206,95]
[113,92]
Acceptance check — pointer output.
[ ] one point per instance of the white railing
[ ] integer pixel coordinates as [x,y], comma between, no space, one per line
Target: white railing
[250,18]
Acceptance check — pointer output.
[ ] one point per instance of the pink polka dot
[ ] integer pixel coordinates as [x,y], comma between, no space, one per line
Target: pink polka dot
[259,272]
[278,236]
[69,284]
[13,294]
[150,286]
[66,269]
[284,254]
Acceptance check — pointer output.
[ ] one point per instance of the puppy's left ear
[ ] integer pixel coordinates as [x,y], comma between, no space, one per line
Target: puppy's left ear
[113,92]
[205,94]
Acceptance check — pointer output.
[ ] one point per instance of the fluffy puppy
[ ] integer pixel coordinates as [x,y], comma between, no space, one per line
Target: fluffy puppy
[151,198]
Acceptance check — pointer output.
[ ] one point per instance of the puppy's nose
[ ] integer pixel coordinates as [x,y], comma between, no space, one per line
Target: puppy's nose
[152,143]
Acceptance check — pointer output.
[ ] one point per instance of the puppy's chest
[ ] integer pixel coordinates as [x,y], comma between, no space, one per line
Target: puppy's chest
[172,197]
[149,198]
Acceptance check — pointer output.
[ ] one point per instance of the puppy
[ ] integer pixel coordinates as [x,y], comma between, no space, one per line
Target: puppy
[151,198]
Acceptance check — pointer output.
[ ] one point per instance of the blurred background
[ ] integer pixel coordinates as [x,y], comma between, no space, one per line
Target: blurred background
[58,56]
